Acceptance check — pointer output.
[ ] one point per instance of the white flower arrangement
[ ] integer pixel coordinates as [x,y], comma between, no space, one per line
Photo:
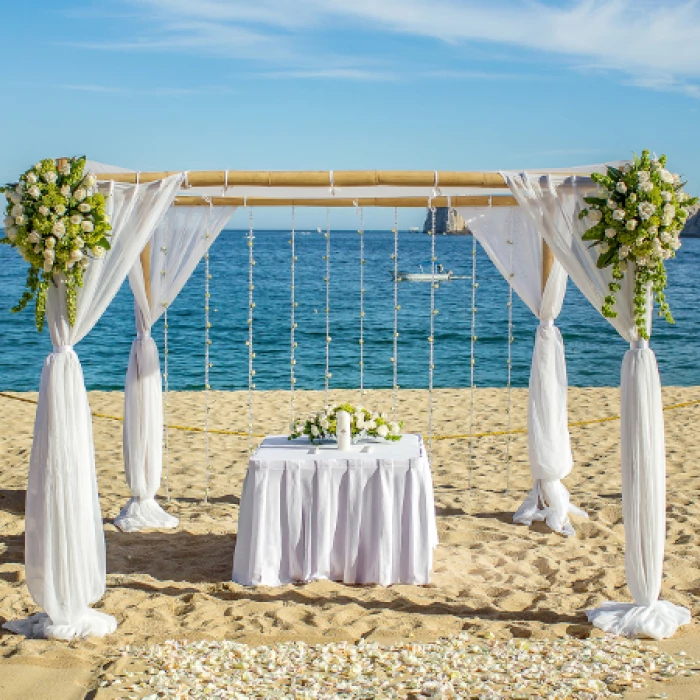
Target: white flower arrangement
[57,221]
[636,219]
[363,423]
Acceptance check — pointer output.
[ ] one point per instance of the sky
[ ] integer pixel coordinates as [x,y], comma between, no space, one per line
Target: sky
[350,84]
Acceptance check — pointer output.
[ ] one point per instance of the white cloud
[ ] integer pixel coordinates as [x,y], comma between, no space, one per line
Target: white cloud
[651,43]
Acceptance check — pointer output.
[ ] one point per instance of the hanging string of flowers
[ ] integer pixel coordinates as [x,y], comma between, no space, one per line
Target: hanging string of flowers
[637,218]
[56,220]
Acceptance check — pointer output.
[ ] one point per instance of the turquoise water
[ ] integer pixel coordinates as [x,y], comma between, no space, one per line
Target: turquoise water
[594,350]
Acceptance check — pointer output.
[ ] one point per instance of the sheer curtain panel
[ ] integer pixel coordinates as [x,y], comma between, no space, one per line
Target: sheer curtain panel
[64,541]
[554,203]
[177,245]
[512,242]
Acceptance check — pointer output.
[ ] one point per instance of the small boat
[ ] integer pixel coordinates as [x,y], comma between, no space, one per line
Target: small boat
[318,229]
[440,275]
[414,229]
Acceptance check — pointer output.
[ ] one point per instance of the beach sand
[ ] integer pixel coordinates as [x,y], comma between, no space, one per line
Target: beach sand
[489,574]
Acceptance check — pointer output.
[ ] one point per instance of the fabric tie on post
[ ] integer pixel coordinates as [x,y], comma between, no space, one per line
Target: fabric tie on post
[177,245]
[65,559]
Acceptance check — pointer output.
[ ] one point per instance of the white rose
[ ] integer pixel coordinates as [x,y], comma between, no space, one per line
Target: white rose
[382,431]
[106,218]
[646,210]
[610,232]
[84,207]
[9,221]
[646,186]
[683,196]
[20,188]
[50,177]
[676,179]
[48,265]
[37,249]
[79,242]
[32,178]
[20,220]
[642,261]
[653,230]
[11,233]
[395,428]
[60,209]
[65,190]
[34,237]
[87,226]
[621,187]
[76,254]
[675,243]
[17,210]
[76,219]
[15,198]
[370,425]
[619,215]
[666,237]
[643,175]
[90,180]
[314,431]
[666,220]
[624,251]
[34,191]
[631,224]
[65,170]
[604,247]
[44,211]
[611,204]
[50,242]
[669,210]
[666,196]
[98,252]
[665,176]
[632,197]
[84,263]
[595,216]
[8,195]
[49,254]
[80,194]
[58,229]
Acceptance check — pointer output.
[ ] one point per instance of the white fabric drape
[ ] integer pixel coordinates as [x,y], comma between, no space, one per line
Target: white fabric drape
[554,206]
[64,542]
[512,242]
[178,244]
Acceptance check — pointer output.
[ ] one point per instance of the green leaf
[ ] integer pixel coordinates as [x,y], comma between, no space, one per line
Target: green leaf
[593,235]
[605,259]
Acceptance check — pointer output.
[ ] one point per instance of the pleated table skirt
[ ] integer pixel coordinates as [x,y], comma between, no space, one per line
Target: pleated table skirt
[353,516]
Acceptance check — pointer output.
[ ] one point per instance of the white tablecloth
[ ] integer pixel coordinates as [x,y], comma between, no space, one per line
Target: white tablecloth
[357,517]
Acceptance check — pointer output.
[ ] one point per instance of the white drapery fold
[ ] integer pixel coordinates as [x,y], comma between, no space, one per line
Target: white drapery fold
[512,242]
[554,204]
[64,542]
[177,245]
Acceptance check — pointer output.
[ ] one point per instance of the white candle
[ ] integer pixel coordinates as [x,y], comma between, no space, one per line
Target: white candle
[342,430]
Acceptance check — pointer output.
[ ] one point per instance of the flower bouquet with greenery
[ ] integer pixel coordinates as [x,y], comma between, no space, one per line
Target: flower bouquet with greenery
[637,217]
[363,424]
[56,219]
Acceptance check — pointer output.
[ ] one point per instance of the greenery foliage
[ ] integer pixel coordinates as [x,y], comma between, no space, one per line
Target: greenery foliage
[636,220]
[56,220]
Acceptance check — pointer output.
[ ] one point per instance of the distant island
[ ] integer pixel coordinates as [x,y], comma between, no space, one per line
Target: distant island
[451,223]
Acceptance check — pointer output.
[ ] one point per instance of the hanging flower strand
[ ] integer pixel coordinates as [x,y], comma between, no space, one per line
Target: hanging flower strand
[57,221]
[637,217]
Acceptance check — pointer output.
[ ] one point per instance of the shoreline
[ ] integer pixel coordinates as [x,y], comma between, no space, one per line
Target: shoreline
[490,576]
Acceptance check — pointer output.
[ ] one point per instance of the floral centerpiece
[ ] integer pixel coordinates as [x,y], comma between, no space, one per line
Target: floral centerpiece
[363,423]
[637,217]
[57,221]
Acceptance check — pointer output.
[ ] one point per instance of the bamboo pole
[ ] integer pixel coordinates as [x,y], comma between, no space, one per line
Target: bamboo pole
[320,178]
[146,267]
[415,202]
[547,263]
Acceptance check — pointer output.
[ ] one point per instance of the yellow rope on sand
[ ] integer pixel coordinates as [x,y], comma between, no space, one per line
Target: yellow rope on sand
[237,433]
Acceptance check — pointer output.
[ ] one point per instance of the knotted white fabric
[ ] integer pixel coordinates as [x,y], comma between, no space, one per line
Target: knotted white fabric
[554,205]
[64,541]
[178,244]
[512,242]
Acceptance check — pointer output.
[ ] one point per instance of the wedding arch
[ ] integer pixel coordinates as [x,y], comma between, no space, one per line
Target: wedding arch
[536,226]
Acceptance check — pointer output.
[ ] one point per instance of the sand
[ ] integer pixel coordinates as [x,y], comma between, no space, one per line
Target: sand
[489,575]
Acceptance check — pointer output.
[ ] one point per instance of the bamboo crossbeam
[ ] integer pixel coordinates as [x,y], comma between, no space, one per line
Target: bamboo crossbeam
[320,178]
[413,202]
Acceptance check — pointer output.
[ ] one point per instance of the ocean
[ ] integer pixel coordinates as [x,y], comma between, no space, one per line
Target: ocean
[593,349]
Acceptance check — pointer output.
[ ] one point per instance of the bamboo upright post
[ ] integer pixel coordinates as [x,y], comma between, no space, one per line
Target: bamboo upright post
[146,267]
[547,263]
